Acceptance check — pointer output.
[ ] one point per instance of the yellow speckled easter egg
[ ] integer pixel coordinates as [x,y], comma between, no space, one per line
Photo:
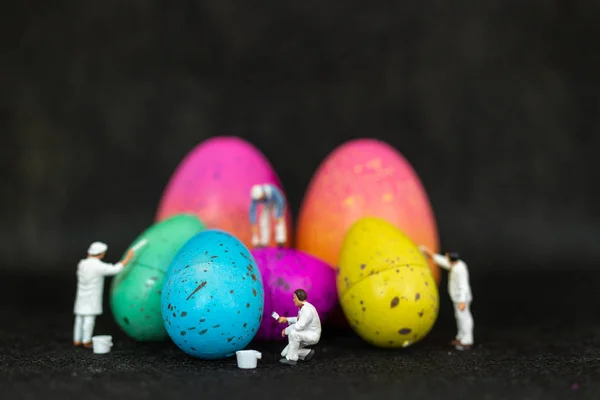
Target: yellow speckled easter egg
[385,286]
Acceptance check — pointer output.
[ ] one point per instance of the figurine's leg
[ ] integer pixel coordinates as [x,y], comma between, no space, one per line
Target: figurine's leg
[306,340]
[459,323]
[280,232]
[265,226]
[78,330]
[88,329]
[303,352]
[294,340]
[467,326]
[285,351]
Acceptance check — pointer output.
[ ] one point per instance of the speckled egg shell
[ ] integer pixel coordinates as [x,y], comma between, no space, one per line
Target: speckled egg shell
[213,297]
[363,178]
[214,181]
[135,292]
[285,270]
[385,286]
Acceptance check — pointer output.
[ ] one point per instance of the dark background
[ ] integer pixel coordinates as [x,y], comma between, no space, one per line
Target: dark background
[493,103]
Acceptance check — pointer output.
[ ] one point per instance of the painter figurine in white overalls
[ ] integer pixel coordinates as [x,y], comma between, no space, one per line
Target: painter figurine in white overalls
[459,289]
[90,287]
[302,331]
[273,203]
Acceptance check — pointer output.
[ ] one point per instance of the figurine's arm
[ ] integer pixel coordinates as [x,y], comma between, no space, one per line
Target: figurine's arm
[253,206]
[279,202]
[441,261]
[291,320]
[113,269]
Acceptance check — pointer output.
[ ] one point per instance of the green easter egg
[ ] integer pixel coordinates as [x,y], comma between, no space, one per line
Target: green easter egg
[135,292]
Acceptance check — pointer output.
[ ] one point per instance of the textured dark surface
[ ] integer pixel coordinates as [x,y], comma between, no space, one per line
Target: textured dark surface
[494,103]
[538,337]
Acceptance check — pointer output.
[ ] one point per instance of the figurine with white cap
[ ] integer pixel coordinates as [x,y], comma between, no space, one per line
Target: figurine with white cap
[90,288]
[273,203]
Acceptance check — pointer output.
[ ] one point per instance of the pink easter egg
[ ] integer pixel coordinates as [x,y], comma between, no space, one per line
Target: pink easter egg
[213,182]
[285,270]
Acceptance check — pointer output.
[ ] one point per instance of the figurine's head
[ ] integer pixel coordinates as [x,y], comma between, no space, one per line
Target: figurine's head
[453,257]
[300,297]
[257,192]
[97,250]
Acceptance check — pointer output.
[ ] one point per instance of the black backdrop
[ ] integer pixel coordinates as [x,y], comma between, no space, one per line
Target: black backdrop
[494,105]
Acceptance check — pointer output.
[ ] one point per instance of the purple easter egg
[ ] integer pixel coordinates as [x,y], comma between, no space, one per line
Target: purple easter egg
[285,270]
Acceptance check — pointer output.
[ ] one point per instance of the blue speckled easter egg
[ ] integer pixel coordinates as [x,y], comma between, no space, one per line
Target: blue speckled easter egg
[213,297]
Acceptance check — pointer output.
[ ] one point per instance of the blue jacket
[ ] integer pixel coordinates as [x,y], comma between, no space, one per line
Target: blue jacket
[275,199]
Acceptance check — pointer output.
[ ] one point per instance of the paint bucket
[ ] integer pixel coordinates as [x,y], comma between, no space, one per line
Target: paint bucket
[102,344]
[247,359]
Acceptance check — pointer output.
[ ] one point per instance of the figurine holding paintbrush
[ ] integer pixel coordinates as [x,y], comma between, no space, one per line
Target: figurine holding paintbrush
[459,289]
[302,331]
[90,288]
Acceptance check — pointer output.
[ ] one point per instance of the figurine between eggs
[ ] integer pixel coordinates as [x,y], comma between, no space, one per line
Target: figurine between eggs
[272,203]
[214,182]
[282,271]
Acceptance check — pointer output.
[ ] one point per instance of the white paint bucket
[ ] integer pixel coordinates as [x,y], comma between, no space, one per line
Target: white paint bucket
[102,344]
[247,359]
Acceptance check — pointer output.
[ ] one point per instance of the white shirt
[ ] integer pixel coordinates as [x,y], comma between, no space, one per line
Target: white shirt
[458,279]
[90,285]
[307,321]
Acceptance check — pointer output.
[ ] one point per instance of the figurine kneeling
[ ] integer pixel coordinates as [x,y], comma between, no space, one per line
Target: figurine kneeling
[303,330]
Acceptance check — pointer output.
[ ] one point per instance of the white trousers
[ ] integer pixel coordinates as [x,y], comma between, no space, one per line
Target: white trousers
[265,227]
[84,328]
[296,343]
[464,323]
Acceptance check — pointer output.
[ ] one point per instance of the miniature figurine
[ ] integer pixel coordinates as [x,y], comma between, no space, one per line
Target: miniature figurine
[303,330]
[273,205]
[90,287]
[459,289]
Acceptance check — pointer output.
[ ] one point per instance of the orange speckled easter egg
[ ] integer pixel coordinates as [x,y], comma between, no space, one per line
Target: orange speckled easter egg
[364,178]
